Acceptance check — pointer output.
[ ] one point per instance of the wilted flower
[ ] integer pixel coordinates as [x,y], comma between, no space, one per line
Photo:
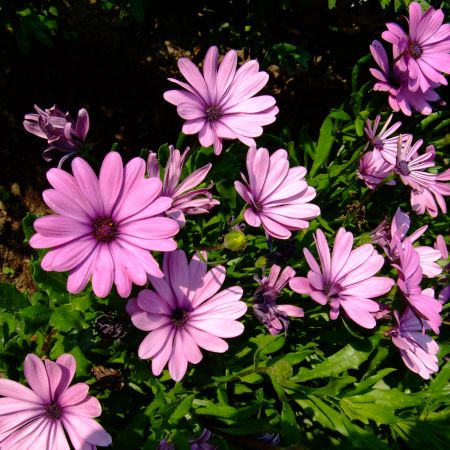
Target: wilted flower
[164,445]
[186,312]
[201,443]
[104,227]
[278,195]
[373,169]
[410,277]
[60,130]
[50,414]
[273,316]
[186,199]
[423,53]
[418,350]
[345,278]
[395,82]
[220,104]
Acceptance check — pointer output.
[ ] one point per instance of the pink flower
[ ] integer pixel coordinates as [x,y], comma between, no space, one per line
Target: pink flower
[104,227]
[373,169]
[410,277]
[186,312]
[385,145]
[273,316]
[441,246]
[395,82]
[424,52]
[186,199]
[60,130]
[418,350]
[278,195]
[391,237]
[220,104]
[345,278]
[44,416]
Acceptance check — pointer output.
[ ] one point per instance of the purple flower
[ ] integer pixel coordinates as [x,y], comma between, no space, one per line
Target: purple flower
[164,445]
[186,199]
[104,227]
[273,316]
[220,104]
[385,145]
[201,443]
[423,53]
[418,350]
[395,82]
[441,246]
[50,414]
[345,278]
[410,277]
[373,169]
[60,130]
[186,312]
[278,195]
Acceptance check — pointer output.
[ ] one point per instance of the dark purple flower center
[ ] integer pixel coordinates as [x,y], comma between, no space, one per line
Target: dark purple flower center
[179,317]
[213,113]
[105,229]
[403,168]
[53,411]
[415,50]
[377,144]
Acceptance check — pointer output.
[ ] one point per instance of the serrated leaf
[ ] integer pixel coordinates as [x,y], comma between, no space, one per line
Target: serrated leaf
[65,318]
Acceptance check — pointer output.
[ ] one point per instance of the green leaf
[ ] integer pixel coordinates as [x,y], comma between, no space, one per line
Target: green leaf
[27,225]
[223,411]
[182,409]
[323,148]
[11,300]
[65,318]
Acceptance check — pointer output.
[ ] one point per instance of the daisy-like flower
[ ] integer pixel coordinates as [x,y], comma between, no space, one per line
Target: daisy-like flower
[424,52]
[278,195]
[273,316]
[395,82]
[104,227]
[410,276]
[184,313]
[345,279]
[441,246]
[186,199]
[50,414]
[418,350]
[61,131]
[387,146]
[373,169]
[220,104]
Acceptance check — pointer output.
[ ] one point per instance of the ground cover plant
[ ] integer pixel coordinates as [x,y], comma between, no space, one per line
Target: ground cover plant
[255,266]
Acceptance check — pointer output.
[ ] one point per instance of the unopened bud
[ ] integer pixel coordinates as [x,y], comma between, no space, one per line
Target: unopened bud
[235,241]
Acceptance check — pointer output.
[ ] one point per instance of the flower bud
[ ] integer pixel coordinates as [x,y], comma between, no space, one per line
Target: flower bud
[235,241]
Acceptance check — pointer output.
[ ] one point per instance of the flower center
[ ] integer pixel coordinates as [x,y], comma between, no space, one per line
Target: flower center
[179,317]
[402,168]
[213,113]
[415,50]
[105,229]
[53,411]
[378,144]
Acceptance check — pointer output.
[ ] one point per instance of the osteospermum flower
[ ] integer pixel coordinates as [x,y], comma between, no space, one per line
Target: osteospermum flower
[424,52]
[50,414]
[104,227]
[373,169]
[345,279]
[278,196]
[395,82]
[220,104]
[61,131]
[184,313]
[273,316]
[186,198]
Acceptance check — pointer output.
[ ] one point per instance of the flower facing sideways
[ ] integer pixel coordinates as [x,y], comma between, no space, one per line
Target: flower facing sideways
[220,104]
[345,279]
[418,350]
[60,130]
[273,316]
[104,227]
[187,198]
[50,413]
[278,196]
[184,313]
